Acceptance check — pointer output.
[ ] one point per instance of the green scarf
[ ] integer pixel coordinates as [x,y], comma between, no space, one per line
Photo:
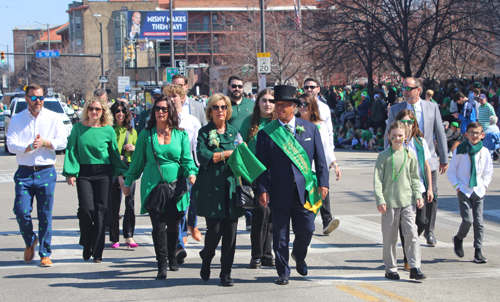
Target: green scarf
[243,163]
[421,156]
[299,158]
[468,148]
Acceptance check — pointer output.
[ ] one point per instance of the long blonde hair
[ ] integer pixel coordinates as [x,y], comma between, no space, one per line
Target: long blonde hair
[106,117]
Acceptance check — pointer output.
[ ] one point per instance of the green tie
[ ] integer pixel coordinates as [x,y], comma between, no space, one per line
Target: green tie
[287,127]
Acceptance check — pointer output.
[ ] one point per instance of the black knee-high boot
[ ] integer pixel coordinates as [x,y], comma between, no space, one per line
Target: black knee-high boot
[172,238]
[160,244]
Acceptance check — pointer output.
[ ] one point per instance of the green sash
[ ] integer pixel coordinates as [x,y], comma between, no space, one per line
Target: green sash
[299,158]
[468,148]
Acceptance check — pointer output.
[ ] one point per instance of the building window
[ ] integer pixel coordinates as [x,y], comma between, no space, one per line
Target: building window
[79,42]
[117,43]
[214,18]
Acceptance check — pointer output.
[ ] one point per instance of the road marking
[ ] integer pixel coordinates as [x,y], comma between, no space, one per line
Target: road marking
[381,291]
[356,293]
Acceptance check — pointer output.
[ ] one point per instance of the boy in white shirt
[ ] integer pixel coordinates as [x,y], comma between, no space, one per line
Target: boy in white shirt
[470,172]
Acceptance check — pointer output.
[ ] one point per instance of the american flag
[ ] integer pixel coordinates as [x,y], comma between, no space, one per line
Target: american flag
[298,24]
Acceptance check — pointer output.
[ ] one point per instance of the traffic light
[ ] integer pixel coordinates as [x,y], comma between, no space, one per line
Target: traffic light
[131,51]
[2,55]
[125,53]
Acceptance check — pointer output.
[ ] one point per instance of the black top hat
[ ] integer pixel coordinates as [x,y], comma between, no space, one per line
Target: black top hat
[285,93]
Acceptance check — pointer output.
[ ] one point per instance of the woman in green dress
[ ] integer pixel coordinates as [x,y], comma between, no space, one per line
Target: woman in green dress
[214,191]
[261,233]
[91,161]
[172,149]
[126,137]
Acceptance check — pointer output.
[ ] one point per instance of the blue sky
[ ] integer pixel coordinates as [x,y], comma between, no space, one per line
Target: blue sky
[19,13]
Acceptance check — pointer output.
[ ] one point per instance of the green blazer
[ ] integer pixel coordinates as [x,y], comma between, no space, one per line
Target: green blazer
[215,181]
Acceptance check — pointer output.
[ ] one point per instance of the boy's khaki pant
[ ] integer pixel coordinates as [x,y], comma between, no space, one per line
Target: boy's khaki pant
[391,220]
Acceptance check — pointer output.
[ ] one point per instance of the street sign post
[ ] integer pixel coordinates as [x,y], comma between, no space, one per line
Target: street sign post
[262,82]
[50,92]
[170,72]
[123,84]
[181,65]
[54,53]
[103,79]
[263,62]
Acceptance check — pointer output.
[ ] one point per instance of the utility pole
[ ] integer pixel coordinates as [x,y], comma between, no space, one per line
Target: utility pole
[263,27]
[300,11]
[172,55]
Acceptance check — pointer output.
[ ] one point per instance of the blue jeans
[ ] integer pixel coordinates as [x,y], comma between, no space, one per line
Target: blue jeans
[192,221]
[41,184]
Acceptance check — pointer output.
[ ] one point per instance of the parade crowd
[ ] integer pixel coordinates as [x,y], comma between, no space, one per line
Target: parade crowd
[267,159]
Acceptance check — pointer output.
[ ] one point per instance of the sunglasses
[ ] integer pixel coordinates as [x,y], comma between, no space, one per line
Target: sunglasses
[215,107]
[310,87]
[408,88]
[407,122]
[236,86]
[121,110]
[34,98]
[305,105]
[267,100]
[162,109]
[96,109]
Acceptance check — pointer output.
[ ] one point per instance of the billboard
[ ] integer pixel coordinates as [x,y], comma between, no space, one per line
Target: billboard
[155,25]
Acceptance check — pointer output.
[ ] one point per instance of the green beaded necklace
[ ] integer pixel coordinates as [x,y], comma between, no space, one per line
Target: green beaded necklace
[395,177]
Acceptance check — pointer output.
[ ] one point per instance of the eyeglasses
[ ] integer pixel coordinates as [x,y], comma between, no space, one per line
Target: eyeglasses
[234,86]
[120,110]
[407,122]
[223,107]
[305,105]
[474,133]
[310,87]
[33,98]
[96,109]
[408,88]
[162,109]
[267,100]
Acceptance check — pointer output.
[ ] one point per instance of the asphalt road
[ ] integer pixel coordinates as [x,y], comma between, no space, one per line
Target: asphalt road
[345,266]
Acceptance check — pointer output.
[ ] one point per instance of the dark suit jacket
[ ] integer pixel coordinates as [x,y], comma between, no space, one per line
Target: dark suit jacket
[278,179]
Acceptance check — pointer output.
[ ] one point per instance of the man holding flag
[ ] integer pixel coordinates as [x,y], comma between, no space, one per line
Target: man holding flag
[287,147]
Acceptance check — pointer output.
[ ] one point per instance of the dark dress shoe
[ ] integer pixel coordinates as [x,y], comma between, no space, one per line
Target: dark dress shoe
[282,280]
[268,262]
[205,271]
[416,274]
[255,263]
[301,268]
[458,247]
[87,252]
[226,281]
[392,276]
[431,240]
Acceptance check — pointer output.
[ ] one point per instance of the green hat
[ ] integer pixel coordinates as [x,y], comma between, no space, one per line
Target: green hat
[455,124]
[359,86]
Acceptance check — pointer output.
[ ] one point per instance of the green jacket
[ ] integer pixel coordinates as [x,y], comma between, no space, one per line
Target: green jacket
[240,112]
[215,181]
[175,161]
[143,119]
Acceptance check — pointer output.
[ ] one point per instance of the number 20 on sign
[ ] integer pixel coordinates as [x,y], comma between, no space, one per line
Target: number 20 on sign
[264,62]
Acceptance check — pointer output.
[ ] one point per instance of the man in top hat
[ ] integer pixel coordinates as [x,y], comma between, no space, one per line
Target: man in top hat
[287,147]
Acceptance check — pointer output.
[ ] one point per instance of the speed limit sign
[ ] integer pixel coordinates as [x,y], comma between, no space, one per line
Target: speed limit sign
[263,62]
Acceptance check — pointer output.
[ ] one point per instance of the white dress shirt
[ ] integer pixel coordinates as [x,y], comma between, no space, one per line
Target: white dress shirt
[327,146]
[23,129]
[191,125]
[419,114]
[427,155]
[291,124]
[326,116]
[460,170]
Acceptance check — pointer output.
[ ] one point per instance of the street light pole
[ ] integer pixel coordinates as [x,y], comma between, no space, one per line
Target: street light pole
[102,54]
[172,52]
[50,62]
[8,66]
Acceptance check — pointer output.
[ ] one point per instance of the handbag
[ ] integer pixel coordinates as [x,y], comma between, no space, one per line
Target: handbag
[166,195]
[125,161]
[245,196]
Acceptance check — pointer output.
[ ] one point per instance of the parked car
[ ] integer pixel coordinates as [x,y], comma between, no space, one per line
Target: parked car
[19,104]
[2,126]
